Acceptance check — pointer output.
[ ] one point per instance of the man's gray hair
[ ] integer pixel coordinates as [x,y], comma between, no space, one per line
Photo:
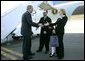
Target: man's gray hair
[29,7]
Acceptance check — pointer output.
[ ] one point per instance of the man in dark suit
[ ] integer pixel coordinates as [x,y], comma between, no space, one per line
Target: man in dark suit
[45,33]
[26,31]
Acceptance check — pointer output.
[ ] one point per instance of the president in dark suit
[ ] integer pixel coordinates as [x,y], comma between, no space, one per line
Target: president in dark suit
[26,31]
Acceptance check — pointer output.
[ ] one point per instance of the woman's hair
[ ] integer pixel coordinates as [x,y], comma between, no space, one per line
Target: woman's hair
[64,12]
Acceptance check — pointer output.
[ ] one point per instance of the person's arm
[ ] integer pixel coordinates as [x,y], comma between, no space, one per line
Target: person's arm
[29,20]
[40,21]
[63,23]
[48,22]
[56,23]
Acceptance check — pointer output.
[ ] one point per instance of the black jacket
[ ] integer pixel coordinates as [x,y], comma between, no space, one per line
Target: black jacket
[60,25]
[45,28]
[26,24]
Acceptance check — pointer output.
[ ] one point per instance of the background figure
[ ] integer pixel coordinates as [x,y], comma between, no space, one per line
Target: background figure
[45,33]
[27,32]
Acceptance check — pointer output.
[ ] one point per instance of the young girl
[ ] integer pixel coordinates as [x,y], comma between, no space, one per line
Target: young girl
[53,42]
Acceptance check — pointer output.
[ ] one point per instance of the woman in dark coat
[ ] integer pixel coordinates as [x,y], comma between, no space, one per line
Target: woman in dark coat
[59,29]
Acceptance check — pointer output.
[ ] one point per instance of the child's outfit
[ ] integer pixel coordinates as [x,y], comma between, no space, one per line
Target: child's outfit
[53,42]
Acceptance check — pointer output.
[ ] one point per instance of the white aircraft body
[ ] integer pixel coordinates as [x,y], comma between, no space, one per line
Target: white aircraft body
[11,19]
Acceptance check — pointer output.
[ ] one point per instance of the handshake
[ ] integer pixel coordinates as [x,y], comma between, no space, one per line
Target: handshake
[41,25]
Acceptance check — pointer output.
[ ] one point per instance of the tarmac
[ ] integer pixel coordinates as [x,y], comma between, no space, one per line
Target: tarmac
[73,49]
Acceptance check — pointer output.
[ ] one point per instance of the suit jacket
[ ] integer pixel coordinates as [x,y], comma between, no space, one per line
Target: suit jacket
[45,28]
[26,24]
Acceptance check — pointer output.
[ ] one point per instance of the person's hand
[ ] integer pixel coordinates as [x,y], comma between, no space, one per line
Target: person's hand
[50,27]
[36,28]
[46,24]
[40,25]
[45,32]
[53,31]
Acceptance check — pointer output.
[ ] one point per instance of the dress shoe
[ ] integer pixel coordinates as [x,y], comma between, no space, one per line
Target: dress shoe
[26,58]
[39,51]
[30,57]
[46,52]
[51,55]
[60,57]
[32,54]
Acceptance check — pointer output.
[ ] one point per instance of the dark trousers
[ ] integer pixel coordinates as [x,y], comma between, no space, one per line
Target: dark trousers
[60,49]
[26,46]
[44,40]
